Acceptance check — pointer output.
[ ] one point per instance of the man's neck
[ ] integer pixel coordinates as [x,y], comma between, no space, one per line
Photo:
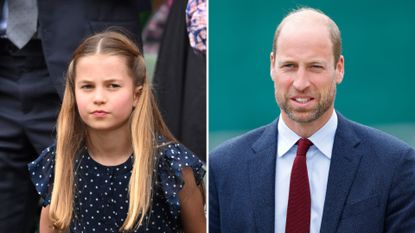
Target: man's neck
[305,130]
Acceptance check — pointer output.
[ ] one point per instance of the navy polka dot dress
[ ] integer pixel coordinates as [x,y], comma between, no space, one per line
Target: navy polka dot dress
[101,192]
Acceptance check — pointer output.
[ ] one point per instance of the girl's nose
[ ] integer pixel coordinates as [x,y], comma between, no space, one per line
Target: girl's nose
[99,96]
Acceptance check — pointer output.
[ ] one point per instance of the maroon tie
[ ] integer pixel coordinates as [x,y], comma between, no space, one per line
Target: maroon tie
[299,200]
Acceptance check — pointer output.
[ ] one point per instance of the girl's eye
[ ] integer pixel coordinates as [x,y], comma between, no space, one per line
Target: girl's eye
[87,86]
[114,85]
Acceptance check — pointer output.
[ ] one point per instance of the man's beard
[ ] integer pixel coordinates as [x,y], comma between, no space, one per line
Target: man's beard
[306,116]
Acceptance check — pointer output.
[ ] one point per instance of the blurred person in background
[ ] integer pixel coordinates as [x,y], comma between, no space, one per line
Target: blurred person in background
[180,74]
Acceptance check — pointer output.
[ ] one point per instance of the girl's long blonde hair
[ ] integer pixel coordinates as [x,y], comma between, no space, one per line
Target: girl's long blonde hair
[146,122]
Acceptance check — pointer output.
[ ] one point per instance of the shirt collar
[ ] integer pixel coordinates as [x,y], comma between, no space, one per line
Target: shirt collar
[323,139]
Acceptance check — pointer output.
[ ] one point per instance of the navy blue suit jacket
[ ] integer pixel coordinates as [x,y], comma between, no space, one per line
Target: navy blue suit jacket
[370,189]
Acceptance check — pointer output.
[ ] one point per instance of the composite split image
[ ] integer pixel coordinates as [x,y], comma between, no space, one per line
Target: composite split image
[203,116]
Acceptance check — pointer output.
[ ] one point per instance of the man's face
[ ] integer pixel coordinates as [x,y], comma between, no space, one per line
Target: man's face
[304,73]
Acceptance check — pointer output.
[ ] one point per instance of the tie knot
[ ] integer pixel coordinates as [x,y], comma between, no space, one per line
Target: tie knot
[303,146]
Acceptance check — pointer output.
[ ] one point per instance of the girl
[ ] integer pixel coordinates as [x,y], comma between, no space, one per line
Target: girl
[115,167]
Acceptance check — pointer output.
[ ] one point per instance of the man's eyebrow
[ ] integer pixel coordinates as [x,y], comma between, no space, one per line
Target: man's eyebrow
[285,61]
[317,62]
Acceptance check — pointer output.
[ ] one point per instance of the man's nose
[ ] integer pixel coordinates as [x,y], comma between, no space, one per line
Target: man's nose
[301,80]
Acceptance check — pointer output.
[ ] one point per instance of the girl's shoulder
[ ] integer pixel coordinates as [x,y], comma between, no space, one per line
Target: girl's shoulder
[172,159]
[41,173]
[178,156]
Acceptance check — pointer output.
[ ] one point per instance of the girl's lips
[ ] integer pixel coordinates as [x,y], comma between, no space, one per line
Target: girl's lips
[99,113]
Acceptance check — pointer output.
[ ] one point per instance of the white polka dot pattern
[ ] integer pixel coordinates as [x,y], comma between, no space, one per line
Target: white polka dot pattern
[101,192]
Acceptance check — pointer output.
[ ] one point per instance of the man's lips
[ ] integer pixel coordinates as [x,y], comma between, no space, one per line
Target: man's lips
[302,100]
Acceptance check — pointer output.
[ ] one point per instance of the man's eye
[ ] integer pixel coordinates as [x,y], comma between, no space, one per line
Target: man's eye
[317,67]
[288,66]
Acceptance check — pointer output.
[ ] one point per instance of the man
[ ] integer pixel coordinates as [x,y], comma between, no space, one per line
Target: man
[311,170]
[32,70]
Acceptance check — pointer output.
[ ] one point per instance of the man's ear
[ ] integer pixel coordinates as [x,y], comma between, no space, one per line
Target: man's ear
[340,70]
[271,66]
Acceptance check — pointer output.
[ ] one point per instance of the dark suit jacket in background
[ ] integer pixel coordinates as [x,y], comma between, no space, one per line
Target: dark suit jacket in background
[371,184]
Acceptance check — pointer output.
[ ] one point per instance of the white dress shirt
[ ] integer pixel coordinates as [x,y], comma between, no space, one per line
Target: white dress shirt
[318,164]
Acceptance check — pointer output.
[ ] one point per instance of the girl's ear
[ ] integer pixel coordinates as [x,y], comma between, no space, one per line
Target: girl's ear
[137,92]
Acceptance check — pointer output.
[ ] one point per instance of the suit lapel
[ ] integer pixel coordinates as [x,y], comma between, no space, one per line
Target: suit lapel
[262,179]
[344,164]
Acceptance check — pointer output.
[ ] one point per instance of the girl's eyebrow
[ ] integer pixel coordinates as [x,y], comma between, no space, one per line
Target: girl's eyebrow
[112,80]
[83,81]
[86,80]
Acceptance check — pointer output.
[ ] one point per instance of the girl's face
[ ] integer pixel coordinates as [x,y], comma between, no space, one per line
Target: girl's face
[104,91]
